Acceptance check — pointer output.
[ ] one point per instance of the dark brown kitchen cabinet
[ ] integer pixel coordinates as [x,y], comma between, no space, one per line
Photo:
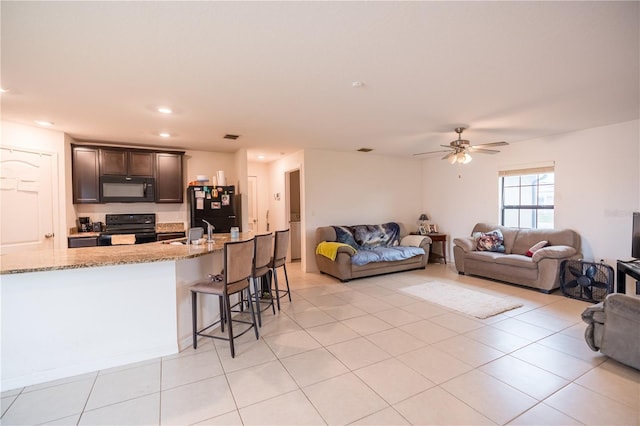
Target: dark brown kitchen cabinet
[124,162]
[85,175]
[169,184]
[91,163]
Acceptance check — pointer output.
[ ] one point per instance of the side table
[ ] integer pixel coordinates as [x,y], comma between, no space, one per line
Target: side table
[442,239]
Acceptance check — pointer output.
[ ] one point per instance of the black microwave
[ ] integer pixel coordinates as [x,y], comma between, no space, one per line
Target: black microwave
[127,189]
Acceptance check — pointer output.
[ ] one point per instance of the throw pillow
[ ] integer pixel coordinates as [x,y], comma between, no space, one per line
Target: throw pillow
[534,248]
[490,241]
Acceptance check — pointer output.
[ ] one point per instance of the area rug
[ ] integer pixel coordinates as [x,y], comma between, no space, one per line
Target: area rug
[470,302]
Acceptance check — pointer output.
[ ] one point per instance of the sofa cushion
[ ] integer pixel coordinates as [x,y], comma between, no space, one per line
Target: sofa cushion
[485,256]
[369,236]
[516,260]
[556,237]
[537,246]
[490,241]
[508,234]
[385,254]
[344,235]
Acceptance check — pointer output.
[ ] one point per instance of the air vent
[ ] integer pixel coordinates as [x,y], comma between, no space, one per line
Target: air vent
[365,150]
[232,137]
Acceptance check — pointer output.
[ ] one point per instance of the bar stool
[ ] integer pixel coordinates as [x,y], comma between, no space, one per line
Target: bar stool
[261,271]
[238,266]
[279,259]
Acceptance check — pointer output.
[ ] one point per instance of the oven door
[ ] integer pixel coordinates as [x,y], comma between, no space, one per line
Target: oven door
[141,238]
[123,189]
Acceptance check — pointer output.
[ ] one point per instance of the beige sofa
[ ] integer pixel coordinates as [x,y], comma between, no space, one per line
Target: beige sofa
[541,271]
[343,269]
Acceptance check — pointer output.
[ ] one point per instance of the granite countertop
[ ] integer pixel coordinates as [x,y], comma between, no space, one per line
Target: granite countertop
[170,227]
[87,257]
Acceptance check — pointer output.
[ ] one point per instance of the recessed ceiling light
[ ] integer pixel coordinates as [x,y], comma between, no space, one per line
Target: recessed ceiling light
[3,90]
[260,157]
[165,135]
[357,84]
[44,123]
[165,110]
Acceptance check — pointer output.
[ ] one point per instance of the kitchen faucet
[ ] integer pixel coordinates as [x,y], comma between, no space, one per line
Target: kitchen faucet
[210,229]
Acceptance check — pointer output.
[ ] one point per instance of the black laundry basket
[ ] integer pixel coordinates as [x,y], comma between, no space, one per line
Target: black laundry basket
[586,281]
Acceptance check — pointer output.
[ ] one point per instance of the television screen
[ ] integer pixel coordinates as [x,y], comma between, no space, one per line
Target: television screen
[635,236]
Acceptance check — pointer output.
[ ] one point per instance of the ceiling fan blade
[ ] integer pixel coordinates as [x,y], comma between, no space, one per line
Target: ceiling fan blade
[486,145]
[483,151]
[432,152]
[446,157]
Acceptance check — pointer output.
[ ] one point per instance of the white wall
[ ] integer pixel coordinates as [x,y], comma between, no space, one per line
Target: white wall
[597,186]
[351,188]
[263,192]
[37,139]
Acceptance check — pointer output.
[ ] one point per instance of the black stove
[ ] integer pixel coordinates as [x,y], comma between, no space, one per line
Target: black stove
[143,226]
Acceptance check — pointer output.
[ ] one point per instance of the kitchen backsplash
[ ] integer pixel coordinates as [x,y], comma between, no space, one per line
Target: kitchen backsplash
[164,212]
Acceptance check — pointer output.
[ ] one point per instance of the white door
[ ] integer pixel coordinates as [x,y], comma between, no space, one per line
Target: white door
[26,200]
[252,204]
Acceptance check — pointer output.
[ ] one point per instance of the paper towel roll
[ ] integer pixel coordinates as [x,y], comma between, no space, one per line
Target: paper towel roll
[221,179]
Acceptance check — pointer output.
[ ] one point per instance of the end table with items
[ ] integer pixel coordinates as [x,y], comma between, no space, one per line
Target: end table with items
[442,239]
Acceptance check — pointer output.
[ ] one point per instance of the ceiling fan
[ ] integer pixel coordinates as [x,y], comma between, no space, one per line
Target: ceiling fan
[459,149]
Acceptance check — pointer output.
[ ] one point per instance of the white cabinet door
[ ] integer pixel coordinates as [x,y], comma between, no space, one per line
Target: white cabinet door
[26,200]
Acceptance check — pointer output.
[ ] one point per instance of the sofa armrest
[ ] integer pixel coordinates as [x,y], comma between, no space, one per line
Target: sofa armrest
[554,252]
[415,241]
[467,244]
[594,316]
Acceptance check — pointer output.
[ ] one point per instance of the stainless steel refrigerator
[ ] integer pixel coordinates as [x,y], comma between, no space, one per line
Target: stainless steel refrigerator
[218,205]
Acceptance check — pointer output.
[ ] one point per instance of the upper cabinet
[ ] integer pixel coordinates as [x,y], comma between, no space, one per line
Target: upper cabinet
[90,162]
[85,163]
[123,162]
[169,182]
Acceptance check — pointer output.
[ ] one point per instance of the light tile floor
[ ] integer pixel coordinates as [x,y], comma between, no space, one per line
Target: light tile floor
[363,353]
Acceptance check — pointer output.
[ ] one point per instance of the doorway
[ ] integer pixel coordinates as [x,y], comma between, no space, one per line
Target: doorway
[28,191]
[294,212]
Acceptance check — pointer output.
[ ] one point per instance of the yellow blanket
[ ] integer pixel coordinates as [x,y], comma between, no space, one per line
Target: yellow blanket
[330,249]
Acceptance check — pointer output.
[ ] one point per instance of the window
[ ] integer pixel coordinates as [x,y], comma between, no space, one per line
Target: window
[527,197]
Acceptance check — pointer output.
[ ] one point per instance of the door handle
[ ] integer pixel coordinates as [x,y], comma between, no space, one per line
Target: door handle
[49,235]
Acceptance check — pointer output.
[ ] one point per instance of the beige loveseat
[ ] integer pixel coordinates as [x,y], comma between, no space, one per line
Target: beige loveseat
[540,271]
[343,268]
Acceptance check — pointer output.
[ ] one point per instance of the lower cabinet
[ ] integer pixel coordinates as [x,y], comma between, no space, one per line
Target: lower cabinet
[75,242]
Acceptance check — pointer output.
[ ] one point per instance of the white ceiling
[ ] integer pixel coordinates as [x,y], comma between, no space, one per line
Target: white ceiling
[280,73]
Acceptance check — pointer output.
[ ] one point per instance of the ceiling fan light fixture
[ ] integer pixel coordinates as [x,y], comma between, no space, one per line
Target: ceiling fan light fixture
[467,158]
[453,158]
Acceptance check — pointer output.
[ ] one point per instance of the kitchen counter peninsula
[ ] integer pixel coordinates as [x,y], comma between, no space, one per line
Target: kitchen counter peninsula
[71,311]
[86,257]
